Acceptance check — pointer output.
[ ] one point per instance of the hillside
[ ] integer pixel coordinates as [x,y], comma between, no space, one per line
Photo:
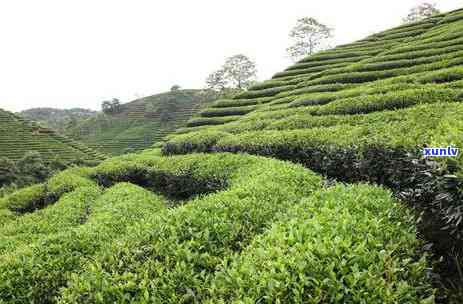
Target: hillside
[57,119]
[141,123]
[317,220]
[18,136]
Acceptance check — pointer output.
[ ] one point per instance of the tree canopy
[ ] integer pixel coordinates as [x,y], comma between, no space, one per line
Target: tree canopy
[237,73]
[420,12]
[308,36]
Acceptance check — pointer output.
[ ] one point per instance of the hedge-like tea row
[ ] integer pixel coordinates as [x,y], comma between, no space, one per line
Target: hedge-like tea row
[341,245]
[201,121]
[227,111]
[337,150]
[303,120]
[177,250]
[388,101]
[35,273]
[39,196]
[69,211]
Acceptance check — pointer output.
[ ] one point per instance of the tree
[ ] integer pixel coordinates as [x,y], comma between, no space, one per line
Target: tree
[308,36]
[237,73]
[111,106]
[8,171]
[240,71]
[216,81]
[32,168]
[175,87]
[420,12]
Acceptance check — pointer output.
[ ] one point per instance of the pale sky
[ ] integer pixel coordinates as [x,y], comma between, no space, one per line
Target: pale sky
[64,54]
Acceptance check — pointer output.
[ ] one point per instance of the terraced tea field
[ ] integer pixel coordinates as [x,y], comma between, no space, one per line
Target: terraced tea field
[141,123]
[343,208]
[18,136]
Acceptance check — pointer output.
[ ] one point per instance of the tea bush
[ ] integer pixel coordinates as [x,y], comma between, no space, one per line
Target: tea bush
[342,245]
[35,273]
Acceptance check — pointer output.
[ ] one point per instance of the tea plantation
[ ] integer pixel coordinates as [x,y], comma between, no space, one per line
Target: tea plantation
[141,122]
[310,187]
[18,136]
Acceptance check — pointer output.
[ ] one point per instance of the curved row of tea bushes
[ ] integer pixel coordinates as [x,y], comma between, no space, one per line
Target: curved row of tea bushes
[39,196]
[335,150]
[171,258]
[427,77]
[388,101]
[201,121]
[35,273]
[413,72]
[227,111]
[347,244]
[302,120]
[71,210]
[319,94]
[307,65]
[25,200]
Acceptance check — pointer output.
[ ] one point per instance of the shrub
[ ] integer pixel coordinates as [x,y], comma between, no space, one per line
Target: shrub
[35,273]
[201,121]
[230,111]
[345,244]
[70,211]
[26,200]
[68,180]
[388,101]
[181,250]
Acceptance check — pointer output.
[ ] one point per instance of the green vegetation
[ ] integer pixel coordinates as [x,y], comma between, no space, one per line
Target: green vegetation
[344,244]
[362,112]
[248,201]
[57,119]
[18,136]
[229,205]
[141,123]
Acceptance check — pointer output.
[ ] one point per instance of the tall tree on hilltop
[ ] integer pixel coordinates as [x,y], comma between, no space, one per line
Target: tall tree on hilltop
[175,87]
[308,36]
[111,106]
[420,12]
[216,81]
[240,71]
[237,74]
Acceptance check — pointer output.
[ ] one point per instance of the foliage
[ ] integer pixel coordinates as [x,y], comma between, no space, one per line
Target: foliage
[143,122]
[57,119]
[237,73]
[175,87]
[111,106]
[231,226]
[32,169]
[420,12]
[308,36]
[328,245]
[363,112]
[19,136]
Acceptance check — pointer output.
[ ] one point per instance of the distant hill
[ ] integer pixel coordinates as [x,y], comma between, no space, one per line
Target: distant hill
[141,122]
[57,119]
[19,135]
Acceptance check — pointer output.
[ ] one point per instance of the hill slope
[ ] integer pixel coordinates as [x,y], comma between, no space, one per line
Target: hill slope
[57,119]
[366,111]
[18,136]
[239,228]
[141,123]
